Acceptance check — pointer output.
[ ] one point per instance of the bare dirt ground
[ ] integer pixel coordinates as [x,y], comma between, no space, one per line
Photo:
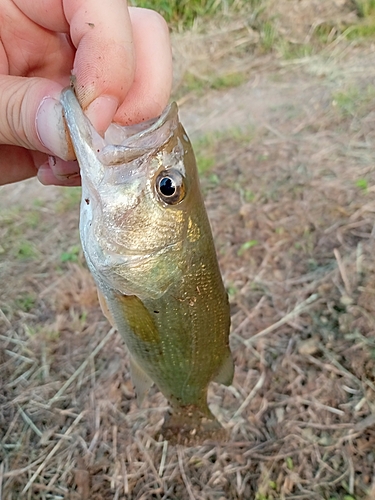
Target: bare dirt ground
[291,199]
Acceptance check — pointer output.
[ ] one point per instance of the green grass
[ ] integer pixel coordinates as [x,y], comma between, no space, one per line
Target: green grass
[26,250]
[19,227]
[69,200]
[246,246]
[354,101]
[268,36]
[362,30]
[205,162]
[289,50]
[228,81]
[26,302]
[289,463]
[260,18]
[365,8]
[200,84]
[71,255]
[184,12]
[362,184]
[272,37]
[206,147]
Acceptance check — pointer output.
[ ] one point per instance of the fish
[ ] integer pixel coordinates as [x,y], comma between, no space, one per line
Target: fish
[148,244]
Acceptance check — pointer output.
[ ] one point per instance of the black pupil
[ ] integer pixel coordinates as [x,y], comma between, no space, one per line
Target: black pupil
[167,186]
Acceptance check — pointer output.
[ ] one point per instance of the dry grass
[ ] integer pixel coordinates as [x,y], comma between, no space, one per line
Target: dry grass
[293,220]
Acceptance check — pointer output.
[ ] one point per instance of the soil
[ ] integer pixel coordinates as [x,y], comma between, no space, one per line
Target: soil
[291,200]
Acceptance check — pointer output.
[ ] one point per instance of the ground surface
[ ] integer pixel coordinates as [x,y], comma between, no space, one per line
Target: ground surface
[287,161]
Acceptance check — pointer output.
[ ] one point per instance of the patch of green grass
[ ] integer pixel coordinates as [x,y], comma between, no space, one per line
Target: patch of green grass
[246,246]
[32,218]
[362,184]
[200,84]
[248,195]
[228,81]
[354,100]
[365,8]
[346,101]
[25,250]
[290,50]
[69,200]
[193,83]
[232,291]
[268,36]
[184,12]
[205,149]
[17,217]
[21,230]
[345,497]
[38,203]
[10,216]
[25,302]
[273,485]
[214,179]
[241,136]
[236,134]
[327,32]
[206,146]
[71,255]
[362,30]
[261,496]
[365,28]
[205,163]
[289,463]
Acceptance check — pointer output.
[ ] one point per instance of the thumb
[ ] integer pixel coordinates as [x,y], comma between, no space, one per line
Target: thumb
[31,115]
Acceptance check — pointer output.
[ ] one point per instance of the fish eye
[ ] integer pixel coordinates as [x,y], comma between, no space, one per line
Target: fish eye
[170,186]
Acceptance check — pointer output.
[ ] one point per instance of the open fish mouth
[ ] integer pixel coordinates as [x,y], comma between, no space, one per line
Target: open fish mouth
[120,144]
[124,144]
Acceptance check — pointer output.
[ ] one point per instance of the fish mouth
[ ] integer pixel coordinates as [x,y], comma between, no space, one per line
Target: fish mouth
[120,144]
[126,143]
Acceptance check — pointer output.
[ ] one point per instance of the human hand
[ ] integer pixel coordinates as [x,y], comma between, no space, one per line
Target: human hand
[120,57]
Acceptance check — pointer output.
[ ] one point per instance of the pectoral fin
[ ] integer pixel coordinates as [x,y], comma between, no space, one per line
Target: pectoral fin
[226,372]
[139,319]
[143,326]
[141,381]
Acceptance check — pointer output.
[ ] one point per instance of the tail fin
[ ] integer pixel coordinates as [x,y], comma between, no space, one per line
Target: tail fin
[191,426]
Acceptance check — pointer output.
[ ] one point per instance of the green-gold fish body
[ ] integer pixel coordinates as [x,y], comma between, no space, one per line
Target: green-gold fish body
[148,244]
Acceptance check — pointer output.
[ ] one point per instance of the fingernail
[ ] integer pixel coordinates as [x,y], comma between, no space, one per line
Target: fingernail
[101,112]
[63,169]
[50,127]
[47,177]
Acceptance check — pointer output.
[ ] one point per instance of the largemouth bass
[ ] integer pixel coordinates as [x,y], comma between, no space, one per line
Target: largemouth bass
[148,244]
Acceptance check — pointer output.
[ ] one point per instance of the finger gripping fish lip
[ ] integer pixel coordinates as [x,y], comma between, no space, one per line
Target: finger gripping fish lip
[120,144]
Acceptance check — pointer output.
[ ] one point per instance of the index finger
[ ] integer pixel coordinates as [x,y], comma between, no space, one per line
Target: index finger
[101,32]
